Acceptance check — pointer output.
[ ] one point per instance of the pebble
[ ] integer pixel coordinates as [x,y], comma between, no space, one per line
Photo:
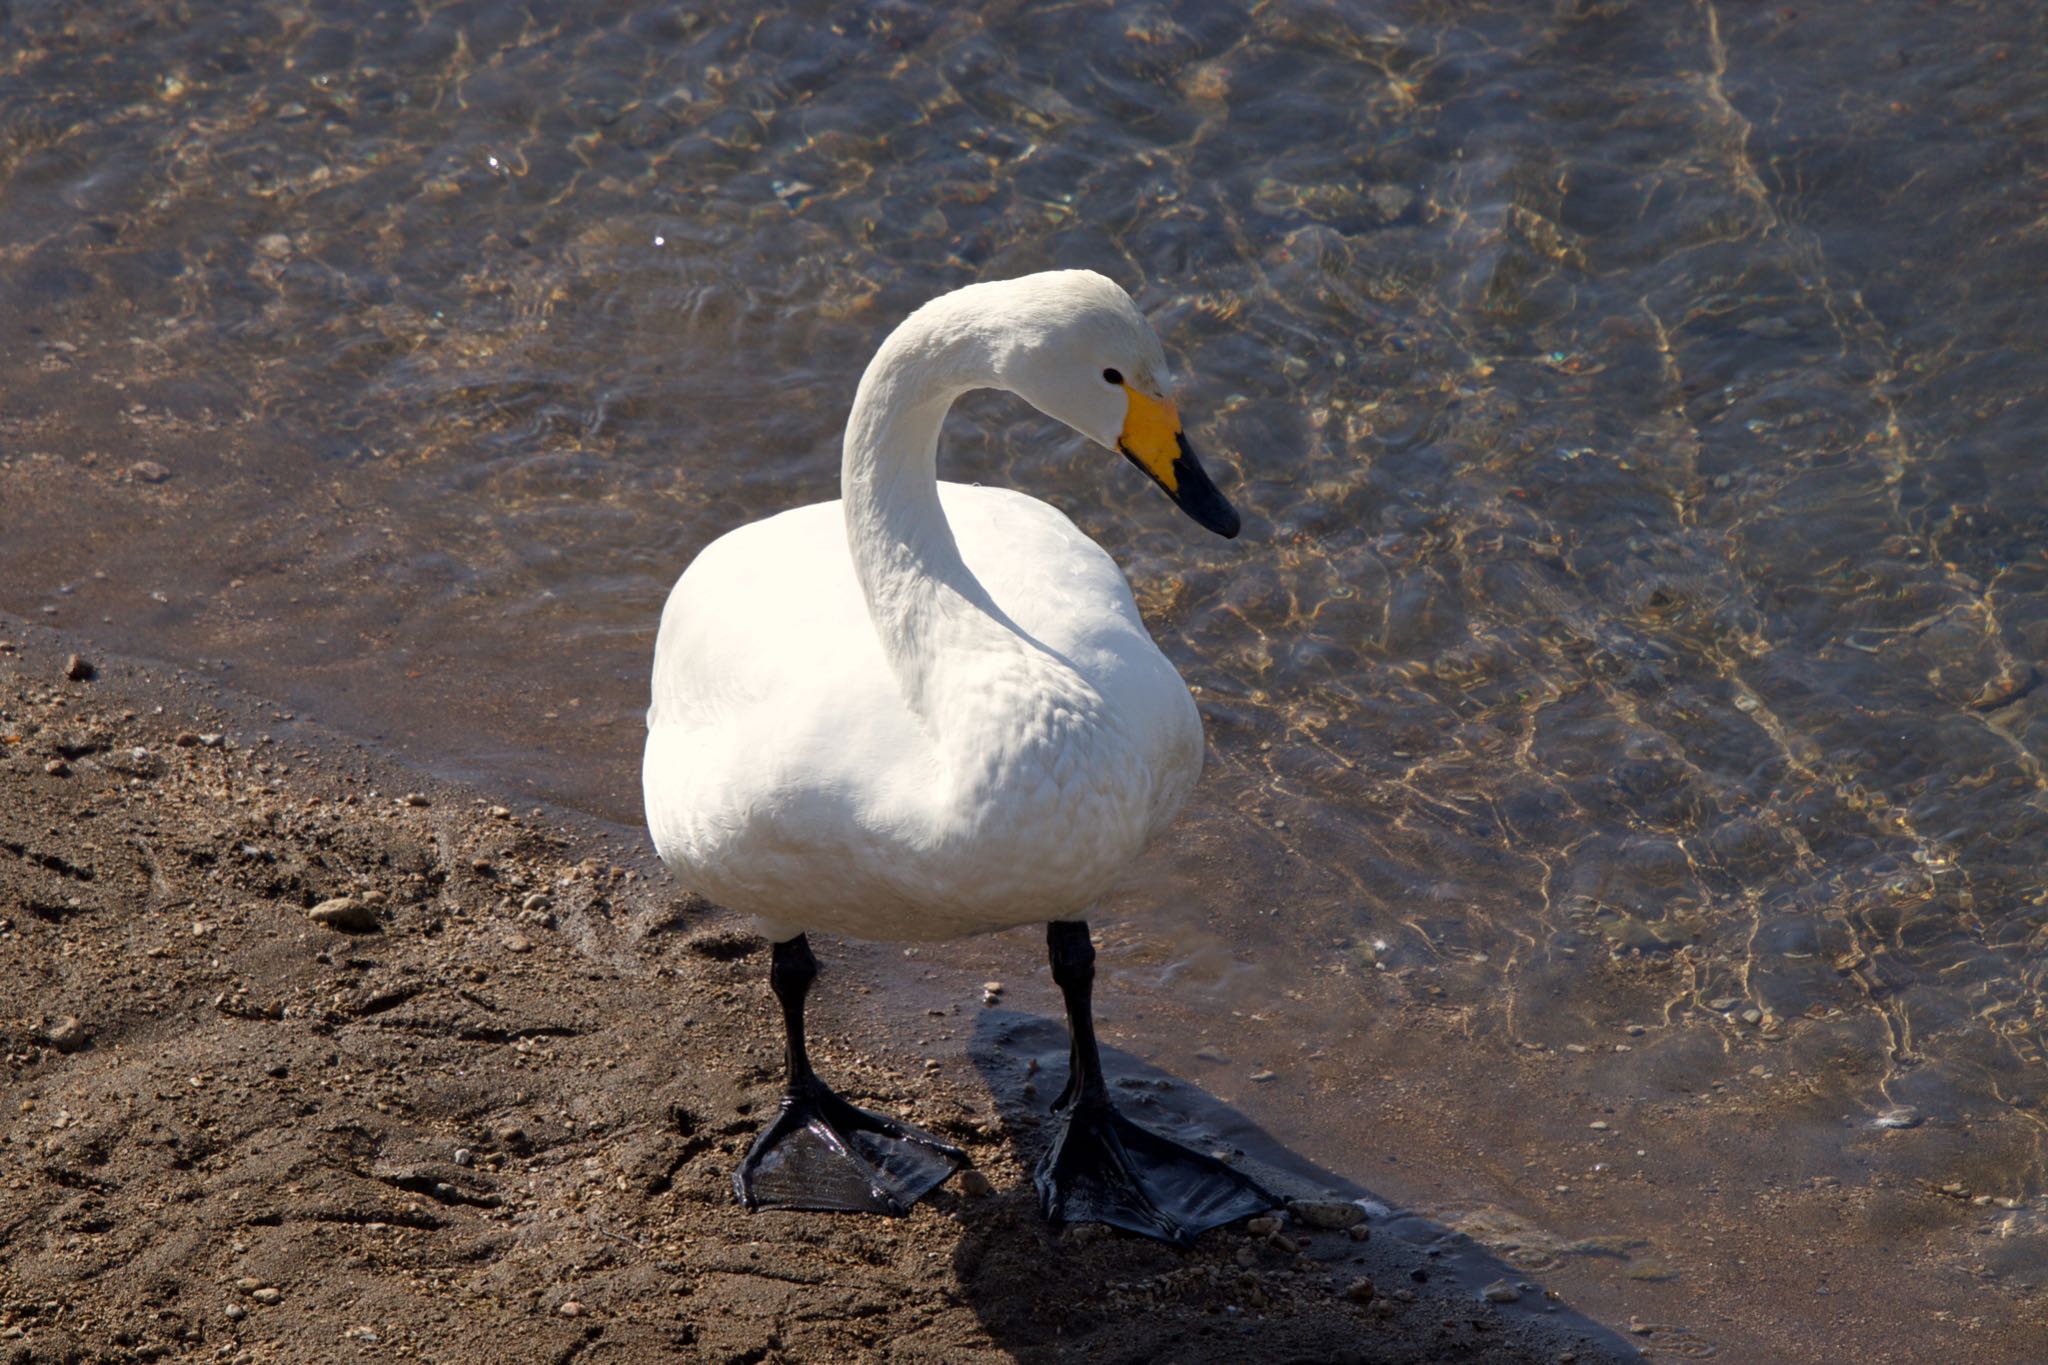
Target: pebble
[1902,1116]
[69,1035]
[518,943]
[500,812]
[510,1135]
[1263,1226]
[1598,1125]
[248,1284]
[235,1312]
[571,1309]
[975,1185]
[267,1295]
[148,471]
[186,739]
[464,1157]
[1210,1054]
[1263,1076]
[78,668]
[57,767]
[1332,1215]
[1358,1232]
[414,799]
[1500,1291]
[344,913]
[274,244]
[1361,1290]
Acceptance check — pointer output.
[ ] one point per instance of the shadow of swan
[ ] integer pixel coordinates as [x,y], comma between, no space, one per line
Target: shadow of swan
[1086,1293]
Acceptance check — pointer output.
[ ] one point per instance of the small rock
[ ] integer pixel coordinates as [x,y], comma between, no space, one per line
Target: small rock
[1500,1291]
[1361,1290]
[248,1284]
[1247,1257]
[510,1135]
[975,1185]
[1598,1125]
[518,943]
[464,1157]
[344,913]
[78,668]
[274,245]
[414,799]
[1900,1116]
[1264,1226]
[1213,1055]
[267,1295]
[537,901]
[1263,1076]
[235,1312]
[1358,1232]
[571,1309]
[186,740]
[1332,1215]
[148,471]
[500,813]
[210,741]
[1640,1328]
[57,767]
[69,1035]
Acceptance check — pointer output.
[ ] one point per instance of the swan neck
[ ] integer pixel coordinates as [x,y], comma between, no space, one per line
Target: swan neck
[921,596]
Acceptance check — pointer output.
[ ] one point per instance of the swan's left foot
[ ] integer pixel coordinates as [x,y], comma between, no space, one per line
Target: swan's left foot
[1103,1168]
[822,1152]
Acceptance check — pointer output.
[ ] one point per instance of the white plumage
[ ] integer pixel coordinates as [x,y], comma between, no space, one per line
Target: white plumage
[928,709]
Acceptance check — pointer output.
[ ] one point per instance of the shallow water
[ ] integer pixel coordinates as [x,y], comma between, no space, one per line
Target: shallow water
[1623,702]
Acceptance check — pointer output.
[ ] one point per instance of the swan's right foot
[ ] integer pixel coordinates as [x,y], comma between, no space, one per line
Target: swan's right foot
[821,1152]
[824,1153]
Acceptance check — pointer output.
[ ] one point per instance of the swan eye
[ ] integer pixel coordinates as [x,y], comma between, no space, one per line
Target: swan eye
[1112,377]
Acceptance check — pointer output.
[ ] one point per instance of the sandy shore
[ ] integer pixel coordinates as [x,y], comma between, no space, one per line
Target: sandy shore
[499,1125]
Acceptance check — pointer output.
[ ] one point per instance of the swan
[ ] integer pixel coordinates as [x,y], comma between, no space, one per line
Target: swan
[927,710]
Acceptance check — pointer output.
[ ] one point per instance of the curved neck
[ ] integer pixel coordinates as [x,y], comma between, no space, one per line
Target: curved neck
[925,603]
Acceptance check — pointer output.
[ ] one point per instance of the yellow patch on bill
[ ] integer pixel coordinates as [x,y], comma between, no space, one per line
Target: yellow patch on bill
[1151,436]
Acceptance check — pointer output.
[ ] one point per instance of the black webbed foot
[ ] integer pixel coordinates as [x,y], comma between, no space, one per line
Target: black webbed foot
[821,1152]
[1103,1168]
[824,1153]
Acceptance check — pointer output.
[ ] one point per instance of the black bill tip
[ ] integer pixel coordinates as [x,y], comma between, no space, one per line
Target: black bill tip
[1193,492]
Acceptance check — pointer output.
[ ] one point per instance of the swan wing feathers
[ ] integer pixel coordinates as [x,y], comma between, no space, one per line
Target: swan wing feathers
[779,738]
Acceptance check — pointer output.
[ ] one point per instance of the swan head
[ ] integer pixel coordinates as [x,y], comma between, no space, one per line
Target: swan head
[1073,345]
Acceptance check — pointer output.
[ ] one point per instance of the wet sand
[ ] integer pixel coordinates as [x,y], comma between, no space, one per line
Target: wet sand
[500,1124]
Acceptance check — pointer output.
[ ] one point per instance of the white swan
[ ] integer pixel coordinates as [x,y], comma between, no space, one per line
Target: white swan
[929,710]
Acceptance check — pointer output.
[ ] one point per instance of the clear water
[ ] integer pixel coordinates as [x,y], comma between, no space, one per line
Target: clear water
[1624,702]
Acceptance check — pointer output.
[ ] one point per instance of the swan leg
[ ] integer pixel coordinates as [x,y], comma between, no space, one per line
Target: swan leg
[1102,1167]
[822,1152]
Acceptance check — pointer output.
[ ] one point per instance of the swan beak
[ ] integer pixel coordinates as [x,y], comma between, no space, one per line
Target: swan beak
[1152,440]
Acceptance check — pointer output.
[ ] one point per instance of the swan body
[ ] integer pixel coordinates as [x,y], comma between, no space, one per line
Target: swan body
[927,709]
